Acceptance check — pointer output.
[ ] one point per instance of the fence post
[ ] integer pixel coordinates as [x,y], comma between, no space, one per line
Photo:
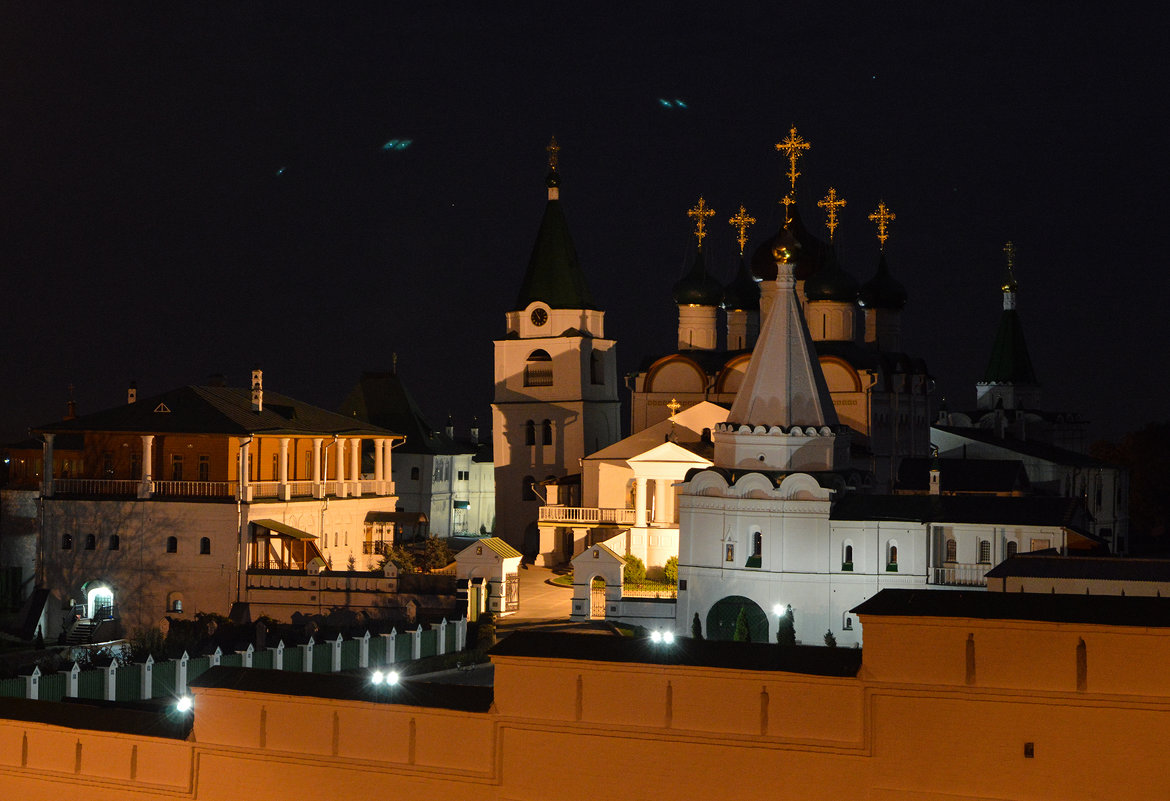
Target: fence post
[71,679]
[278,656]
[147,678]
[461,634]
[181,674]
[32,685]
[391,649]
[307,656]
[217,657]
[110,672]
[248,654]
[416,643]
[441,645]
[364,650]
[335,654]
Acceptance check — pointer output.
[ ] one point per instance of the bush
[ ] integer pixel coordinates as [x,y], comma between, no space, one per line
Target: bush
[670,570]
[697,627]
[786,630]
[436,554]
[742,634]
[634,571]
[401,559]
[830,640]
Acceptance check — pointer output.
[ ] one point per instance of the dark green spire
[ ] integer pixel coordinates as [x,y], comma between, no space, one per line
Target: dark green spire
[1010,362]
[554,274]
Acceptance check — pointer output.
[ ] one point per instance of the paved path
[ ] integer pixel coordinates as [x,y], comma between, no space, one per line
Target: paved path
[540,602]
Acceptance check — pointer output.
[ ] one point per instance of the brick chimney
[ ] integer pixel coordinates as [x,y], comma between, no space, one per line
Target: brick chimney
[257,389]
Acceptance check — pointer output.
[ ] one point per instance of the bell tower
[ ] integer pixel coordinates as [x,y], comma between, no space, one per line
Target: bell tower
[555,397]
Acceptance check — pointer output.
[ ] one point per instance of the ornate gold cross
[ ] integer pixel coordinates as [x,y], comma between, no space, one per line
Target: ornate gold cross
[1009,250]
[700,213]
[882,217]
[792,145]
[831,203]
[553,151]
[741,222]
[788,200]
[673,406]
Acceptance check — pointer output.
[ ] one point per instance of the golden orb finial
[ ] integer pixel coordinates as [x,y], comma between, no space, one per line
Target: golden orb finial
[701,212]
[741,222]
[831,203]
[882,217]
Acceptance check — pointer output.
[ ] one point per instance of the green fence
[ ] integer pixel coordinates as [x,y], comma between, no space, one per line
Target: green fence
[292,659]
[402,647]
[197,666]
[322,657]
[232,660]
[163,684]
[430,643]
[53,687]
[91,684]
[450,638]
[262,659]
[12,688]
[128,683]
[350,654]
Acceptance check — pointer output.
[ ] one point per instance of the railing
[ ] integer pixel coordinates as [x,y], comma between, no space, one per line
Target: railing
[330,487]
[583,515]
[956,574]
[265,489]
[369,487]
[648,590]
[96,486]
[301,489]
[369,548]
[538,377]
[195,489]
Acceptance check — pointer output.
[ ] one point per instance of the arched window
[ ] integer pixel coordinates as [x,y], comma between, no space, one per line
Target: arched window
[66,542]
[538,370]
[530,433]
[952,550]
[597,367]
[847,557]
[1011,548]
[90,542]
[984,552]
[172,544]
[892,557]
[546,432]
[205,545]
[115,542]
[414,474]
[758,544]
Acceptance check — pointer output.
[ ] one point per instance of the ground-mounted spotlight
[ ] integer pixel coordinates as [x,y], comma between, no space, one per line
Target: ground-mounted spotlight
[668,637]
[391,678]
[778,610]
[377,677]
[656,636]
[185,704]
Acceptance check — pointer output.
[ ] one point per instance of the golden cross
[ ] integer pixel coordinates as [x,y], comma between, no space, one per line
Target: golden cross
[787,201]
[1010,251]
[882,217]
[792,145]
[700,213]
[553,150]
[674,406]
[831,203]
[742,222]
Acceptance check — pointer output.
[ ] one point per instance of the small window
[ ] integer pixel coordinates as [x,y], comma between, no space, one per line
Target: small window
[90,542]
[172,544]
[135,466]
[115,542]
[276,467]
[176,467]
[530,433]
[597,368]
[67,542]
[984,552]
[538,371]
[414,474]
[952,550]
[546,432]
[1011,548]
[892,558]
[204,468]
[108,465]
[757,544]
[205,545]
[847,557]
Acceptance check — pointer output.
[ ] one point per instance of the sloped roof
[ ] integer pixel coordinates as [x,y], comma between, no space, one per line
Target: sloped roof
[217,410]
[687,427]
[554,275]
[1010,362]
[1099,568]
[383,399]
[1025,447]
[963,475]
[1104,610]
[989,509]
[495,544]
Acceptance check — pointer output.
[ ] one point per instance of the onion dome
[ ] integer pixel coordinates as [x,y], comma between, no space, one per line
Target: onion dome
[883,291]
[697,288]
[743,293]
[812,251]
[831,282]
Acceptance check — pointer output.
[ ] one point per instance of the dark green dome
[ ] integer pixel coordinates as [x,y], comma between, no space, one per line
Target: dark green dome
[812,252]
[883,291]
[697,288]
[831,282]
[743,293]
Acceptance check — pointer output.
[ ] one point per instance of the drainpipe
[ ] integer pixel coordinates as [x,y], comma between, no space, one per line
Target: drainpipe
[240,518]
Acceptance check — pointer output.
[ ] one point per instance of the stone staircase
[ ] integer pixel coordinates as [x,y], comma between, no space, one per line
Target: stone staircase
[82,632]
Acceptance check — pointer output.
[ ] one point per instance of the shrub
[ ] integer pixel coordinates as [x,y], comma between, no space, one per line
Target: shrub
[697,627]
[830,640]
[670,570]
[634,571]
[436,554]
[786,629]
[742,634]
[401,558]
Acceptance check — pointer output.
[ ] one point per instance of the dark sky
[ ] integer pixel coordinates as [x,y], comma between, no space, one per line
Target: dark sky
[145,233]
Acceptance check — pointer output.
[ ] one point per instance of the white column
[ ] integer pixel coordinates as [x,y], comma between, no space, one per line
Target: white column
[245,490]
[318,489]
[47,466]
[340,478]
[147,486]
[639,502]
[379,476]
[660,510]
[284,489]
[355,465]
[387,471]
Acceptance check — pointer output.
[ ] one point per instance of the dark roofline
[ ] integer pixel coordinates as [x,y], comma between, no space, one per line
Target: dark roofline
[1099,568]
[351,686]
[684,651]
[146,719]
[1097,610]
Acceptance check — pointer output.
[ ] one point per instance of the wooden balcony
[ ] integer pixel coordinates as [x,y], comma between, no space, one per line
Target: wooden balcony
[586,516]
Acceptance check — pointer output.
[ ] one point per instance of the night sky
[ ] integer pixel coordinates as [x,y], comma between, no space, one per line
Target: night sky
[188,189]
